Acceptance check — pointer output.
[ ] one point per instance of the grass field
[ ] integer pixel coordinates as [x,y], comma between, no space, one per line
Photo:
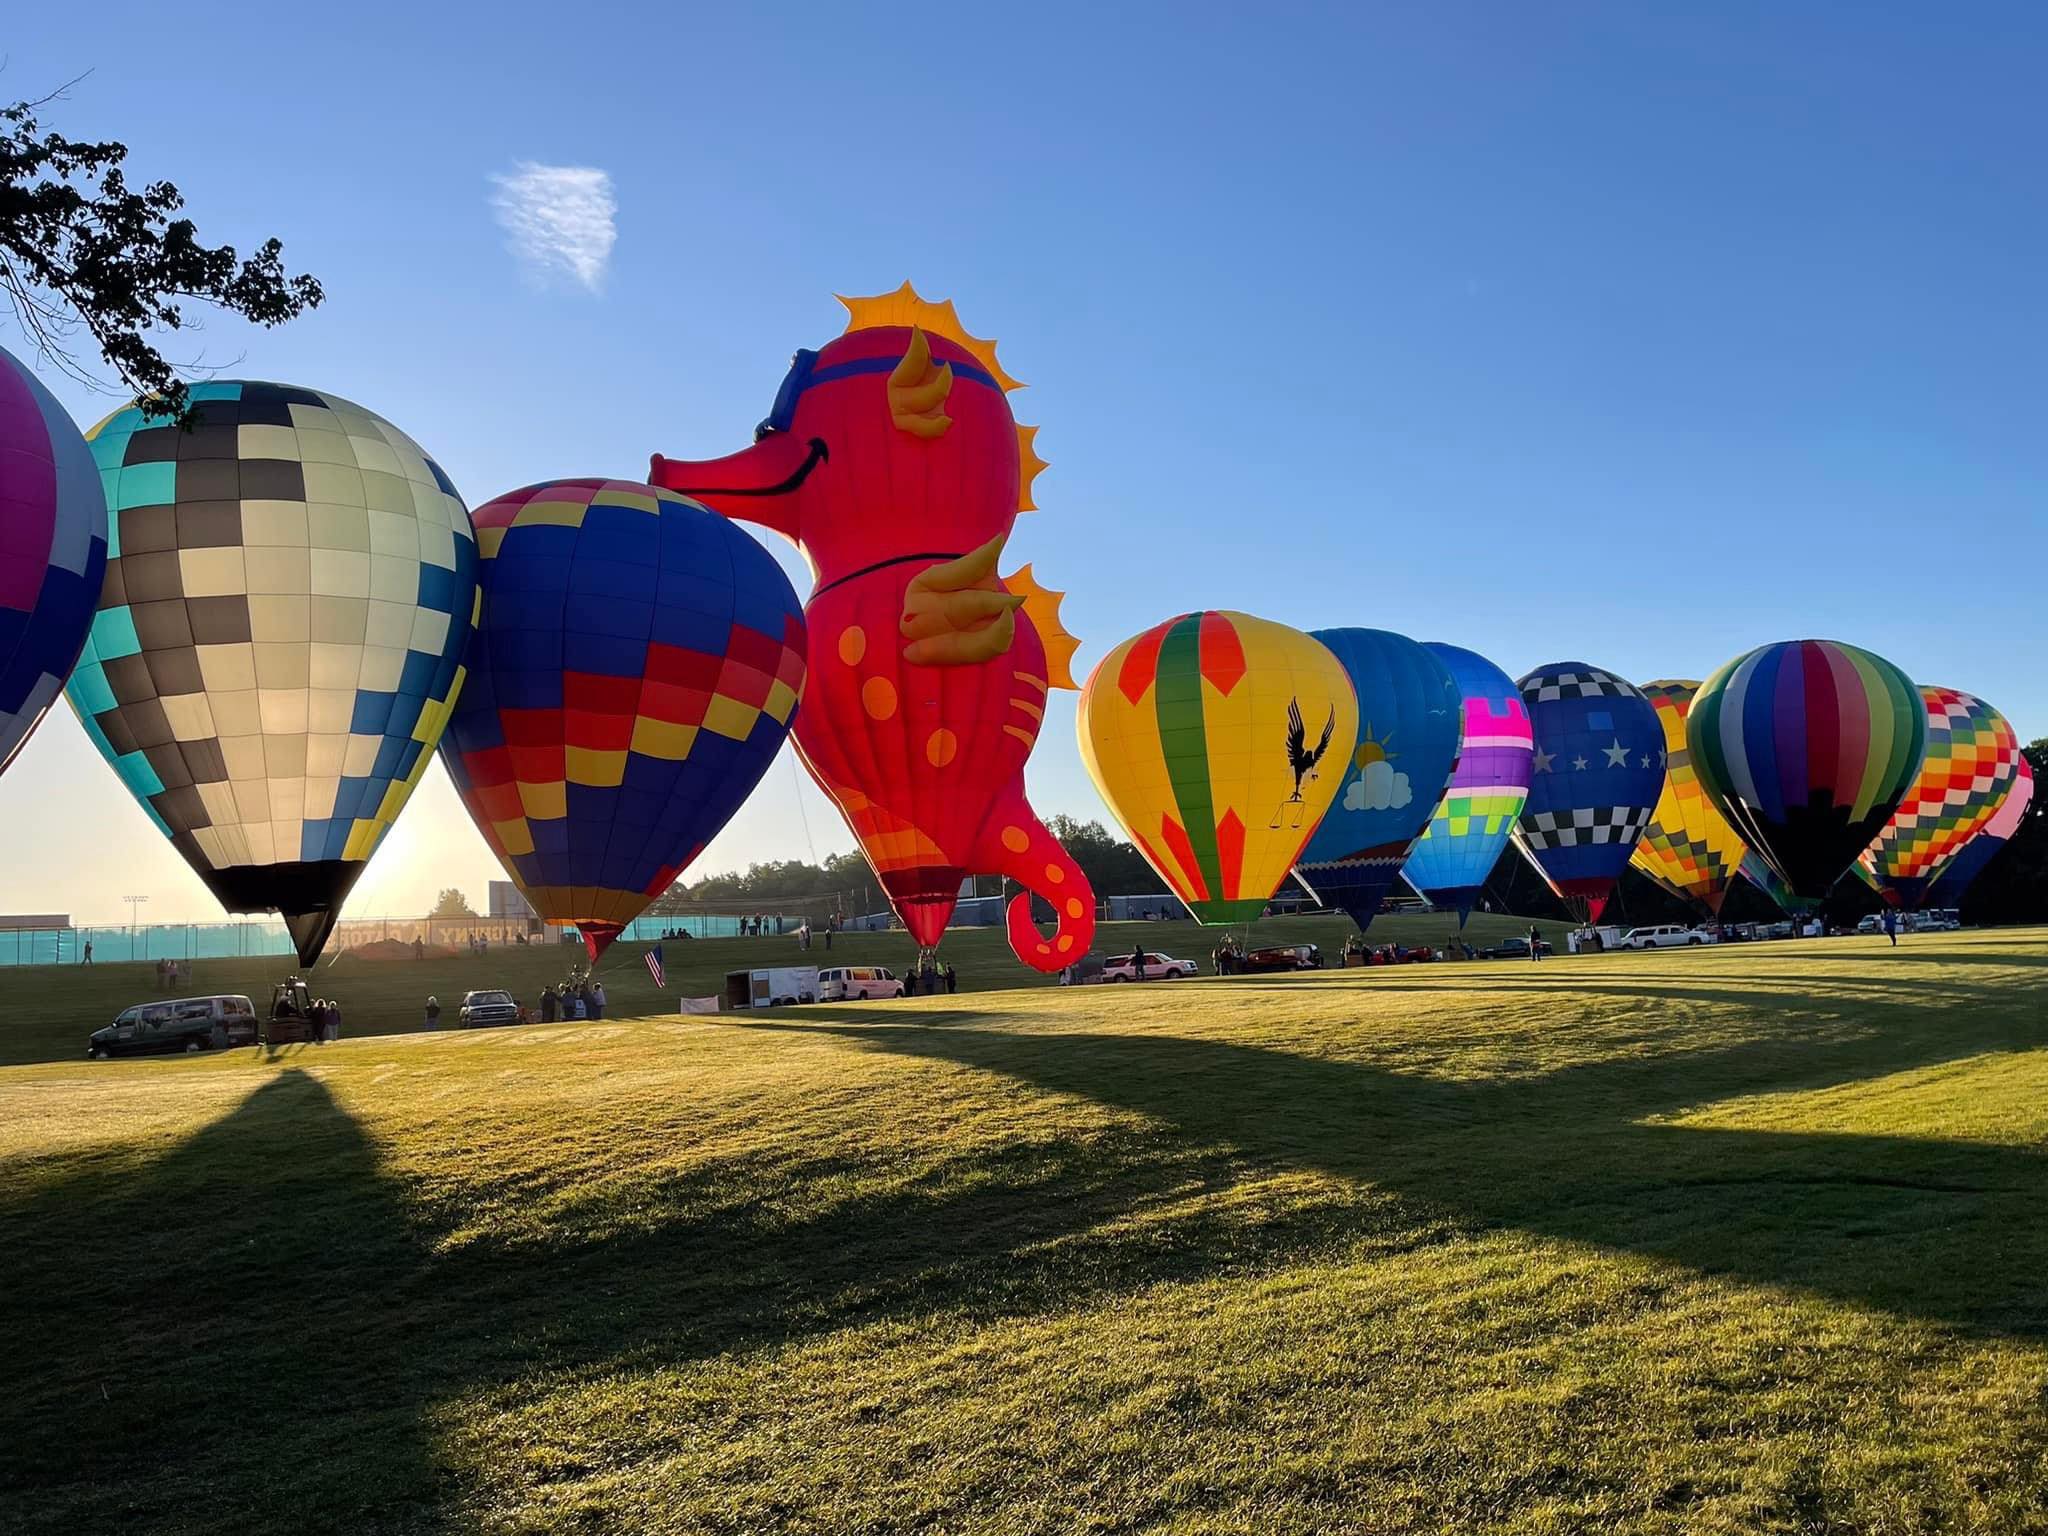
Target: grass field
[1683,1242]
[46,1012]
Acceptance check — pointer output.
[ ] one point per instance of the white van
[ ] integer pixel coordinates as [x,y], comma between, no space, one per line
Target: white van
[1665,936]
[847,983]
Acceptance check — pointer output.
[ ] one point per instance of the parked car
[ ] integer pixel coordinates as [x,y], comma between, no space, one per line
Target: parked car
[1872,922]
[847,983]
[1516,948]
[1282,957]
[488,1007]
[1158,967]
[1664,936]
[184,1024]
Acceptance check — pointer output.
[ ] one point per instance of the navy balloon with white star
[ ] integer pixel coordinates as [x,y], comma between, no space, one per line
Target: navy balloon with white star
[1598,772]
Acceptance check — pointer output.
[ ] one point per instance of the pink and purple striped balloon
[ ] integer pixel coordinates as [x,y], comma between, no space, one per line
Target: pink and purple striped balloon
[53,550]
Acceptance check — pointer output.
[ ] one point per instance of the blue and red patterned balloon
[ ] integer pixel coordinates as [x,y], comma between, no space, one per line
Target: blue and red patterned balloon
[53,550]
[636,669]
[1598,773]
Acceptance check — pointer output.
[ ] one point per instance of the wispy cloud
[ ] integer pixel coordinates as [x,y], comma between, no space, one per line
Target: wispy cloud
[558,220]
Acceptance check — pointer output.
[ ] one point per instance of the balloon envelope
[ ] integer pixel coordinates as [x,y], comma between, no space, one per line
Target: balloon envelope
[1410,726]
[53,550]
[1806,746]
[289,589]
[1597,774]
[635,671]
[1977,853]
[1219,740]
[1688,848]
[1766,879]
[1472,822]
[1971,765]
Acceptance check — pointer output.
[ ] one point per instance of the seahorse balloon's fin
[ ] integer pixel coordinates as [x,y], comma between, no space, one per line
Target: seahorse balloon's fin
[957,613]
[1042,608]
[917,391]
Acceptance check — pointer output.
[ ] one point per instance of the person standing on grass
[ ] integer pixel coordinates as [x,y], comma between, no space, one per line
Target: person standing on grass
[433,1013]
[86,958]
[597,1000]
[1535,942]
[952,979]
[1891,925]
[547,1004]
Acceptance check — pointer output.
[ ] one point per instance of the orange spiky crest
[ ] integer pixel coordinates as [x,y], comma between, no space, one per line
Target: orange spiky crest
[1042,608]
[1028,466]
[904,307]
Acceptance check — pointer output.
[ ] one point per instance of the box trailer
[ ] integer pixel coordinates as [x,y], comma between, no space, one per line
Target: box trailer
[772,986]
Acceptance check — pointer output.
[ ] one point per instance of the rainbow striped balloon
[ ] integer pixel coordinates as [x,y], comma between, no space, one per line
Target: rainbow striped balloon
[1807,747]
[1972,764]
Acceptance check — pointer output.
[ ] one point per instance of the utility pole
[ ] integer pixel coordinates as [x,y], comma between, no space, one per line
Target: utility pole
[133,903]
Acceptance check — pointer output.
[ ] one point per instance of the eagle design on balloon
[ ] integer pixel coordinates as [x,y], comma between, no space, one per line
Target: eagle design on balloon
[892,460]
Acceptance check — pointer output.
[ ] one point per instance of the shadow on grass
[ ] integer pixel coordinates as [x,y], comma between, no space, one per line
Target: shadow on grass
[189,1343]
[259,1331]
[1938,1229]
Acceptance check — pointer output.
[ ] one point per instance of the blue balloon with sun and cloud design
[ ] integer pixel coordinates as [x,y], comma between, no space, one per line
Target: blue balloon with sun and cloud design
[1410,730]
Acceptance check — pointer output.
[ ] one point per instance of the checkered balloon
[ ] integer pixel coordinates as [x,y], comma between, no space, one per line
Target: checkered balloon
[1598,771]
[290,585]
[1971,766]
[53,550]
[637,668]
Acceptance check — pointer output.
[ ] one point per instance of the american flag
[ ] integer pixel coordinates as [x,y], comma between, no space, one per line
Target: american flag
[653,959]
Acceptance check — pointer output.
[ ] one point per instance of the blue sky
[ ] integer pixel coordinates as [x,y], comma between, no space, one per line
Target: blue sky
[1637,335]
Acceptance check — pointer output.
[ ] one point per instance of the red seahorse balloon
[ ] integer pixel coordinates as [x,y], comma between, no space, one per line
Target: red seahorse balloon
[892,460]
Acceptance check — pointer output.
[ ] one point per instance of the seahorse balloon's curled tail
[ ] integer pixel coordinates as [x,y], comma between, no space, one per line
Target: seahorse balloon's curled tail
[1016,844]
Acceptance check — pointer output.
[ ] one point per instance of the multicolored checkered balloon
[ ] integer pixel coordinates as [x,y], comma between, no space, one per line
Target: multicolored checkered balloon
[1971,766]
[53,551]
[637,668]
[1688,848]
[290,585]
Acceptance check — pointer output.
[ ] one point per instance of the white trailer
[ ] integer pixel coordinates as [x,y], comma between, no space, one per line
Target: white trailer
[772,986]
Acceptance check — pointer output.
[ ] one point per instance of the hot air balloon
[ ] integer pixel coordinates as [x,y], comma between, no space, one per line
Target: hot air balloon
[634,674]
[1971,765]
[1765,879]
[1688,848]
[1473,821]
[1597,776]
[1219,740]
[289,589]
[892,459]
[1411,723]
[1976,854]
[53,551]
[1806,746]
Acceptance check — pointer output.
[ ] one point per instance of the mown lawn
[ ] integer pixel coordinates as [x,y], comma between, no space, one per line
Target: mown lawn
[1714,1241]
[46,1012]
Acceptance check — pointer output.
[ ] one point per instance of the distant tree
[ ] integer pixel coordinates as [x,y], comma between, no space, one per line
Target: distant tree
[1113,865]
[78,247]
[452,903]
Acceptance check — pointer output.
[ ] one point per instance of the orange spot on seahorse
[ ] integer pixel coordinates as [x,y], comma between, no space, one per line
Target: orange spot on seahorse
[1016,839]
[853,644]
[878,697]
[940,747]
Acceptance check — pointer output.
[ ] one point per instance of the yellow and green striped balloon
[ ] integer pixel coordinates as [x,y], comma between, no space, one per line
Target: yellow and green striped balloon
[1219,740]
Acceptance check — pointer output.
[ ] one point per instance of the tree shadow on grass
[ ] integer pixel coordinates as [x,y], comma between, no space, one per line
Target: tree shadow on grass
[1932,1228]
[284,1339]
[190,1349]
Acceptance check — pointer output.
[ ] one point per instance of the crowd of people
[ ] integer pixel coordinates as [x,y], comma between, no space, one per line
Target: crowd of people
[581,998]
